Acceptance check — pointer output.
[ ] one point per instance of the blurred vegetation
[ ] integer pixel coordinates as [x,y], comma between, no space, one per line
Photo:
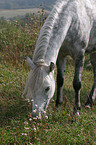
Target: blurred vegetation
[18,37]
[23,4]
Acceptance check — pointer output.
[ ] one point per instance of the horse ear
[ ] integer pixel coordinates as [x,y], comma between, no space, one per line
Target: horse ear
[51,67]
[30,62]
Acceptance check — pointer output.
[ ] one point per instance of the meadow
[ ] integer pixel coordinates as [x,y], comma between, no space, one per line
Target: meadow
[17,127]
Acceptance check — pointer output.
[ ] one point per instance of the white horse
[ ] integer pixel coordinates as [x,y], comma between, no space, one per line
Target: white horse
[70,29]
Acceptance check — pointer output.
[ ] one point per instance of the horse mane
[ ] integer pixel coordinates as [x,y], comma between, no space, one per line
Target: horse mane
[47,30]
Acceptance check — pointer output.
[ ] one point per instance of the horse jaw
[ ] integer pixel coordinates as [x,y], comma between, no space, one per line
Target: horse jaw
[41,102]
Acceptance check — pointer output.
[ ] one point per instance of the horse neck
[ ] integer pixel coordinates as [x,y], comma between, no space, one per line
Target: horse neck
[52,34]
[56,41]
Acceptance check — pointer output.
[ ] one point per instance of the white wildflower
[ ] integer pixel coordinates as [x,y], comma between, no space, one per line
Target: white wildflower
[32,100]
[77,113]
[39,117]
[36,105]
[35,118]
[46,117]
[25,122]
[44,112]
[34,128]
[24,134]
[26,128]
[27,100]
[35,110]
[30,119]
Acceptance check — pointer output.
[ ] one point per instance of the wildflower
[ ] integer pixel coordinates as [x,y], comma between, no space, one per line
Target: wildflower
[78,113]
[46,117]
[44,112]
[34,118]
[35,110]
[32,100]
[36,105]
[24,134]
[26,128]
[27,100]
[39,117]
[25,122]
[30,119]
[34,129]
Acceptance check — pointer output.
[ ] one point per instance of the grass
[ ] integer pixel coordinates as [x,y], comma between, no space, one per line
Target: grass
[16,125]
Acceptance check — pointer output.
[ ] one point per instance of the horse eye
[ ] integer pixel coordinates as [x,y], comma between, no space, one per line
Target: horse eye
[47,89]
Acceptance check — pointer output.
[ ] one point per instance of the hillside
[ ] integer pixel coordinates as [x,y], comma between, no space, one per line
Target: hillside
[11,13]
[22,4]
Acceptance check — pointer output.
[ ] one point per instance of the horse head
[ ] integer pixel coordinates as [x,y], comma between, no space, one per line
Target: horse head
[41,85]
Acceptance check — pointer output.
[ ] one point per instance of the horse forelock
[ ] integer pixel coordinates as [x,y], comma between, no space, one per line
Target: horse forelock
[39,63]
[36,78]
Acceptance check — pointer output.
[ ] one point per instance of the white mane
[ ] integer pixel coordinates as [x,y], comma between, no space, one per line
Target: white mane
[46,32]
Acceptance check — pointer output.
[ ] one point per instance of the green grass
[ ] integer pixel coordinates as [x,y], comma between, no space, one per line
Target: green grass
[16,125]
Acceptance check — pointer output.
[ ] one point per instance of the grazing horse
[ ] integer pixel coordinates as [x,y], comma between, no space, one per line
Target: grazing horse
[70,29]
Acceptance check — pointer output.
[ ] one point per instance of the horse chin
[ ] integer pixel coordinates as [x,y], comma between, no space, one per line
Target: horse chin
[41,114]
